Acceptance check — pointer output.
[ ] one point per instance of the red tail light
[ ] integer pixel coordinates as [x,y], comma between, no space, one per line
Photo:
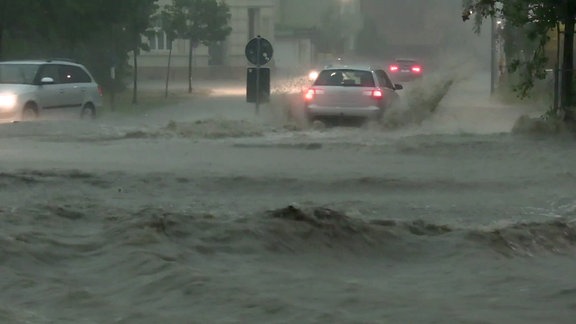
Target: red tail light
[394,68]
[311,94]
[374,93]
[100,92]
[416,69]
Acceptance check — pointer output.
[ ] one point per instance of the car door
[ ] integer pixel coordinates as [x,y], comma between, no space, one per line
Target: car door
[49,95]
[73,82]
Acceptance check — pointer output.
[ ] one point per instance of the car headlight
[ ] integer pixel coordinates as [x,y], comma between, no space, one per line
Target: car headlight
[313,75]
[8,100]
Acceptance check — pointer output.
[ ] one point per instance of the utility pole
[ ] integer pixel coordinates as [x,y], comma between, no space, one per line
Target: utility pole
[567,92]
[493,63]
[557,70]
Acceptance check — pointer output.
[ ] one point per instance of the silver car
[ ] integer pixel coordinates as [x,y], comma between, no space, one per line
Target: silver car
[350,92]
[29,89]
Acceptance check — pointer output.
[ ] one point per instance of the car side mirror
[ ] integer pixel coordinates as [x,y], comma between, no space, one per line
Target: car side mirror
[398,86]
[46,80]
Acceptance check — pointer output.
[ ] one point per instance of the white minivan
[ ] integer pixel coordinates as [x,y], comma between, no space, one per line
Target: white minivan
[29,89]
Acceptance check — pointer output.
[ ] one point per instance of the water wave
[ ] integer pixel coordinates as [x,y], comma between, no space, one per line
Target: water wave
[151,263]
[519,239]
[286,230]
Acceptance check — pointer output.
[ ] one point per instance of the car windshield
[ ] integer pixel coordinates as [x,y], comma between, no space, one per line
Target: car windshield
[346,78]
[18,73]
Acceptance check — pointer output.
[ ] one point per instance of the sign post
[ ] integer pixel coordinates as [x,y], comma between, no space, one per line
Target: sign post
[259,52]
[112,87]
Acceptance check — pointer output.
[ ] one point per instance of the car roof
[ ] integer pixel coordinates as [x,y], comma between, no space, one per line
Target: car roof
[360,67]
[59,61]
[405,59]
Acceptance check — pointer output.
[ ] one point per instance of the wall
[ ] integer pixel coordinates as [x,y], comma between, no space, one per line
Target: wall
[153,63]
[308,14]
[236,43]
[293,55]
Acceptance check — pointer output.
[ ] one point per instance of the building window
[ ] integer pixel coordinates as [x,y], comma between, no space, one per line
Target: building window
[157,41]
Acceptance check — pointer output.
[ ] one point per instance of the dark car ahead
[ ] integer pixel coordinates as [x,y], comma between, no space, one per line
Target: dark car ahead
[405,69]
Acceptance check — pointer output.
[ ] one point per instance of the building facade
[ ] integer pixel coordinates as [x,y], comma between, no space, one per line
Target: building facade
[290,25]
[249,18]
[303,24]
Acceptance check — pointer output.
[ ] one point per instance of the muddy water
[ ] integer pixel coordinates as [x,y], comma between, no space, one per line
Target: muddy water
[220,219]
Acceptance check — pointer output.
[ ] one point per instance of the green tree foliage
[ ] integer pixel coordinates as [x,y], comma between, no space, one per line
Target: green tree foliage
[198,21]
[98,33]
[534,19]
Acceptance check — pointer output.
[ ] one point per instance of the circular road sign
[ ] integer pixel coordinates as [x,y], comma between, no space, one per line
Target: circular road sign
[266,51]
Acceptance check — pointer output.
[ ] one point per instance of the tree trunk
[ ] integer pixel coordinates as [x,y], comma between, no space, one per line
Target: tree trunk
[568,62]
[135,79]
[190,52]
[1,40]
[113,88]
[3,15]
[168,69]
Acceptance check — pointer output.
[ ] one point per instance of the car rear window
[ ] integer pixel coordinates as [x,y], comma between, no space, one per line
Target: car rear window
[345,78]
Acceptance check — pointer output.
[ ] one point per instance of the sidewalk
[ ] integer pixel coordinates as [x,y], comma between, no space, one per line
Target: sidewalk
[198,86]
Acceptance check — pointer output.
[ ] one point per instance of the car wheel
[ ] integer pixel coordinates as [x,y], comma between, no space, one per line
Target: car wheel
[88,112]
[30,112]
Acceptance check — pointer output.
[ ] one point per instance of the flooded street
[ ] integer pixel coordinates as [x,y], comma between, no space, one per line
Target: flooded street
[206,213]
